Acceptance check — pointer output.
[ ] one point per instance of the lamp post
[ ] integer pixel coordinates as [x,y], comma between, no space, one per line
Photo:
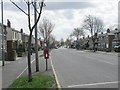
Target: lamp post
[3,58]
[36,40]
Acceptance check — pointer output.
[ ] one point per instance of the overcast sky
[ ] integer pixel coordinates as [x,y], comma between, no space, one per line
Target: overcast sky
[65,15]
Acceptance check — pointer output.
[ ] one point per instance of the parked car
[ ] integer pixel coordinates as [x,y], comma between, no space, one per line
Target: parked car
[117,48]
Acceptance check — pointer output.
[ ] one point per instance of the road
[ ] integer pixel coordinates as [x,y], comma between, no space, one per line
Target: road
[84,69]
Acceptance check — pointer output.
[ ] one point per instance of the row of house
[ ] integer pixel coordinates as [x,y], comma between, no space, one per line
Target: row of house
[106,40]
[13,38]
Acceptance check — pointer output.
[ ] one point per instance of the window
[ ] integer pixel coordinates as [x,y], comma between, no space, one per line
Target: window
[14,35]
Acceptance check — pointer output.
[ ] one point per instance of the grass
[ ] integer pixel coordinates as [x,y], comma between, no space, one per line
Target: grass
[38,81]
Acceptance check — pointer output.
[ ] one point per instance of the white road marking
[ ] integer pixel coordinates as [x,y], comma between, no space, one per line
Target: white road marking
[56,78]
[93,84]
[24,70]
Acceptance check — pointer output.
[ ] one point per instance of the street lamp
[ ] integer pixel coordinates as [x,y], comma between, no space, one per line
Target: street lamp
[36,36]
[36,41]
[3,58]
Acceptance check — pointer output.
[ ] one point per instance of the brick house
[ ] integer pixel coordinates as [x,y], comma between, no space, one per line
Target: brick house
[24,38]
[108,40]
[117,37]
[102,41]
[13,38]
[13,41]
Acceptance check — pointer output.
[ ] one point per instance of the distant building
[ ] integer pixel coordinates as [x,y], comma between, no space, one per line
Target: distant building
[24,38]
[102,41]
[13,38]
[117,37]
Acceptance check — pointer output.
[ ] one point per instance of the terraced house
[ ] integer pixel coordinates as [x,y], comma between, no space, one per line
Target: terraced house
[12,40]
[107,41]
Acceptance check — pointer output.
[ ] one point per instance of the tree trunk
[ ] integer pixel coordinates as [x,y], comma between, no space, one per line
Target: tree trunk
[29,58]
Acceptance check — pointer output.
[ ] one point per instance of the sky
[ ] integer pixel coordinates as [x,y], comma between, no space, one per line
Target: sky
[65,14]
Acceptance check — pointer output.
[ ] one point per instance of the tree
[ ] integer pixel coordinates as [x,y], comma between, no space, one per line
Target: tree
[46,27]
[94,25]
[52,41]
[113,27]
[88,24]
[31,28]
[67,42]
[98,25]
[62,42]
[78,32]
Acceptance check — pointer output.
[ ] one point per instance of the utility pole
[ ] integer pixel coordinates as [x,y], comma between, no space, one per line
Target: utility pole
[36,40]
[3,57]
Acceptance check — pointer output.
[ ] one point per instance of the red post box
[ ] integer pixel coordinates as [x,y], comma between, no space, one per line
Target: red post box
[46,53]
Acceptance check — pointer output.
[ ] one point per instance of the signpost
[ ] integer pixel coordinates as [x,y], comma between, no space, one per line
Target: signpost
[3,57]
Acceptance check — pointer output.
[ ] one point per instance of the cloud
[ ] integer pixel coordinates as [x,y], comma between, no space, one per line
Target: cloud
[69,14]
[11,7]
[66,16]
[50,5]
[67,5]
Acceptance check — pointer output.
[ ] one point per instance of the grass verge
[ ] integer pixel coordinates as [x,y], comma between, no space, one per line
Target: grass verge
[38,81]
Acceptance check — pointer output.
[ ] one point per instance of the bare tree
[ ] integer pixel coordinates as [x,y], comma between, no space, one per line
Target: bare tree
[62,42]
[98,25]
[94,25]
[68,42]
[31,27]
[52,41]
[77,33]
[89,24]
[46,27]
[113,27]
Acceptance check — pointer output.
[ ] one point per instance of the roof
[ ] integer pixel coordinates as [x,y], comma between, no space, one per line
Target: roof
[110,34]
[113,31]
[15,30]
[100,35]
[25,34]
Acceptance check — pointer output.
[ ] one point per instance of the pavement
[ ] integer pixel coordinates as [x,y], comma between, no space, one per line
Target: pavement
[7,62]
[18,68]
[81,69]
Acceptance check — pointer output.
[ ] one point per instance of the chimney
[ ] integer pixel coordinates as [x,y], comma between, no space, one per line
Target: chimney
[21,30]
[83,37]
[88,36]
[8,23]
[108,30]
[116,29]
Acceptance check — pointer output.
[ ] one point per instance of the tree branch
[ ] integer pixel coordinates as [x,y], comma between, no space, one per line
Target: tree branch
[26,2]
[35,7]
[29,17]
[42,3]
[19,8]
